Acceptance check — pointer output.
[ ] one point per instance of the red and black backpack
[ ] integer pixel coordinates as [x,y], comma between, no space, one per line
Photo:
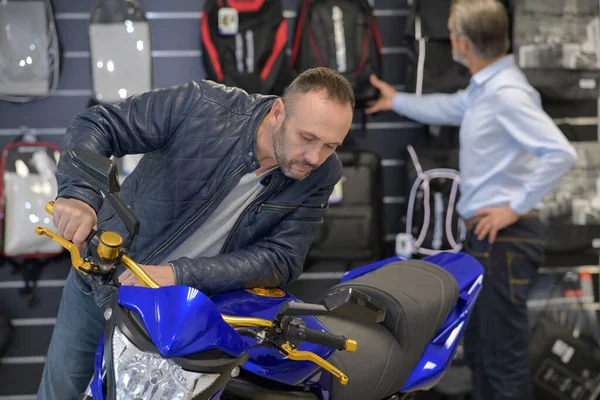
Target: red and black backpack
[342,35]
[27,168]
[244,45]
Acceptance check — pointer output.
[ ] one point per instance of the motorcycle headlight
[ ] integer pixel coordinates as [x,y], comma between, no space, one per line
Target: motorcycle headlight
[143,375]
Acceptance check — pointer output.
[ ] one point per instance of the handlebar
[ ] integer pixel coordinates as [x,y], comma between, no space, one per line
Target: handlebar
[338,342]
[50,207]
[109,251]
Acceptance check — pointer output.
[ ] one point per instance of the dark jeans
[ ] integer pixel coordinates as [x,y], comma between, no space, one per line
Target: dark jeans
[497,336]
[70,359]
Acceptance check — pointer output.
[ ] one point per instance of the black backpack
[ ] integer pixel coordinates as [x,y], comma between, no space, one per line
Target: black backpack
[341,35]
[352,228]
[431,68]
[244,45]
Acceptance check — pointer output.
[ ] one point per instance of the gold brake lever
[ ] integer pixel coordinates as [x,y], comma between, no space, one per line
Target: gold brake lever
[294,354]
[107,248]
[76,259]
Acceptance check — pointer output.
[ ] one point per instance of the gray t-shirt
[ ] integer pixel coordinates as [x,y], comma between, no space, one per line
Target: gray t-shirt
[208,240]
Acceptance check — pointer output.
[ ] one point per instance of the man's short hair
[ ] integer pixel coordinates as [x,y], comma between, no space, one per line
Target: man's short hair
[483,24]
[337,86]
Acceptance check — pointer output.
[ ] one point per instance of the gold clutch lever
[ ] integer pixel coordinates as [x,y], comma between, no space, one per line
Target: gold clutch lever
[294,354]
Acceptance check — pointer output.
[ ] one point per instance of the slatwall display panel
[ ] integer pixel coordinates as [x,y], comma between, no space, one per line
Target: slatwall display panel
[177,58]
[17,306]
[75,78]
[20,376]
[167,74]
[21,367]
[31,340]
[53,112]
[51,135]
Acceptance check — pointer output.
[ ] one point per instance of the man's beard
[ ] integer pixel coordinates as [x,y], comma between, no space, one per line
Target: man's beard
[284,163]
[459,58]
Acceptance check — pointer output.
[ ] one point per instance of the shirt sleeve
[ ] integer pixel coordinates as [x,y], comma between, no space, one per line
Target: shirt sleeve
[433,109]
[527,123]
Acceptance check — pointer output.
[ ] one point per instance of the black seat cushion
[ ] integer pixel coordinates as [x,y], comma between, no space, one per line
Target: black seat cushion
[373,370]
[419,296]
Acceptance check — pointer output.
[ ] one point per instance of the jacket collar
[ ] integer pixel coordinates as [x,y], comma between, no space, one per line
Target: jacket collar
[249,147]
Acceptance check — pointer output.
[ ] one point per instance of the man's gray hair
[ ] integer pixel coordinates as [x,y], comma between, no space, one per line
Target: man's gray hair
[483,24]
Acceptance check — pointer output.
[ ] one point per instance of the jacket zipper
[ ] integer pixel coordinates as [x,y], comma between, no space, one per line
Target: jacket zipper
[105,221]
[244,212]
[180,232]
[275,206]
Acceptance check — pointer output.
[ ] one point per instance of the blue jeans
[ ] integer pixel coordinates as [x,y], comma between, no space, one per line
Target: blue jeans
[70,358]
[497,335]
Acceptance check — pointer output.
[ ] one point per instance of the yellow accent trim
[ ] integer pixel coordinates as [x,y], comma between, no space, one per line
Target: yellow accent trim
[309,356]
[509,260]
[109,246]
[267,292]
[510,239]
[351,345]
[76,259]
[50,207]
[484,254]
[519,281]
[510,257]
[247,321]
[111,239]
[139,272]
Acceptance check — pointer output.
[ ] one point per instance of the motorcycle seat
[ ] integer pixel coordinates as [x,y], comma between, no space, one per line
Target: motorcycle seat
[418,296]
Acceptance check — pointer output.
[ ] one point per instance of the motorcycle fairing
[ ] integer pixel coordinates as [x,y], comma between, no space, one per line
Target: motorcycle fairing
[181,320]
[268,362]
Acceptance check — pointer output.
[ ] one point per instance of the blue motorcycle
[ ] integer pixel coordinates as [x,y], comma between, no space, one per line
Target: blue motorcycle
[386,330]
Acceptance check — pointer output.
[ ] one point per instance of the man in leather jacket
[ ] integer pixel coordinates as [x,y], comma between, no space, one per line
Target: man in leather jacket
[230,193]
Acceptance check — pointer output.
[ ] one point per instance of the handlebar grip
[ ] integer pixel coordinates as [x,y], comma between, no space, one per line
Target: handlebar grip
[338,342]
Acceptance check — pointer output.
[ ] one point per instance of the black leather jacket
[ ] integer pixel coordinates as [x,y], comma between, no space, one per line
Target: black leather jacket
[199,139]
